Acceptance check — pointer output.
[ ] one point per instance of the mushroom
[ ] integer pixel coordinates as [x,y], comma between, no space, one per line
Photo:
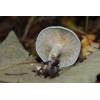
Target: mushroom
[56,43]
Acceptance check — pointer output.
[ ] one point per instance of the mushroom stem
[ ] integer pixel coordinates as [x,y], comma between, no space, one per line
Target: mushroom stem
[52,69]
[54,53]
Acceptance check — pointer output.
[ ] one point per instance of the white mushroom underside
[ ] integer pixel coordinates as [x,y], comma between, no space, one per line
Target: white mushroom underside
[67,39]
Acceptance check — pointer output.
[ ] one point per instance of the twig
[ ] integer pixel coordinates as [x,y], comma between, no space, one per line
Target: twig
[87,24]
[4,81]
[17,74]
[86,28]
[31,19]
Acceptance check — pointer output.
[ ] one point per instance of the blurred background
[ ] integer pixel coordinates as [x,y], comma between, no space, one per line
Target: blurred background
[27,28]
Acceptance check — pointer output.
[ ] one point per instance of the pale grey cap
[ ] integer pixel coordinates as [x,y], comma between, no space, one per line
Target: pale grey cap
[53,35]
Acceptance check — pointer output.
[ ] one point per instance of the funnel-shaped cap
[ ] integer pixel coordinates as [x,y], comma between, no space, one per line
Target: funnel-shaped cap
[68,41]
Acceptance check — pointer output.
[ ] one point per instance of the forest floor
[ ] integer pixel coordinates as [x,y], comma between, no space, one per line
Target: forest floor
[17,66]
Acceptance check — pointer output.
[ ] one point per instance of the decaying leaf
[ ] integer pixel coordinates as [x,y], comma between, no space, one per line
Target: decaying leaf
[89,45]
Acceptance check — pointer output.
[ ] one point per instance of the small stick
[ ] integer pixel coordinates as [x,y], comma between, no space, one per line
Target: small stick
[4,81]
[86,28]
[10,74]
[28,27]
[87,24]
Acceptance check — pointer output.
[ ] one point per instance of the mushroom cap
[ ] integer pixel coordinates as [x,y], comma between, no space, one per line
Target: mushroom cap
[65,37]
